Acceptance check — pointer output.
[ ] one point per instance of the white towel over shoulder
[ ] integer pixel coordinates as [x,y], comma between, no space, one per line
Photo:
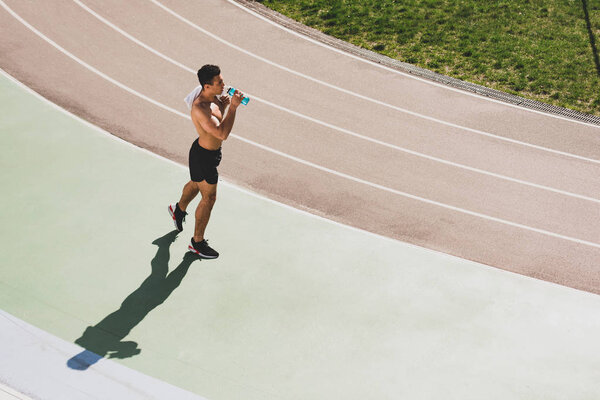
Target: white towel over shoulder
[189,99]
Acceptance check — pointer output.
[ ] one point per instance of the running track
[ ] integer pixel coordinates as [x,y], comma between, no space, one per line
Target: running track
[326,132]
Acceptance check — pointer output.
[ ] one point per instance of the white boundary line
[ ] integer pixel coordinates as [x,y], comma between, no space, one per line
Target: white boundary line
[333,172]
[342,130]
[39,368]
[329,47]
[476,131]
[12,393]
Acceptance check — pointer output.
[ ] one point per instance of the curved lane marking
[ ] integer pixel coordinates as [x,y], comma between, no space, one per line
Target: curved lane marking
[343,130]
[415,114]
[405,74]
[299,160]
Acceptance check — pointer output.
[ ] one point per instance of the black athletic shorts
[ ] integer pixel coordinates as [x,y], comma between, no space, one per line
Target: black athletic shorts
[204,163]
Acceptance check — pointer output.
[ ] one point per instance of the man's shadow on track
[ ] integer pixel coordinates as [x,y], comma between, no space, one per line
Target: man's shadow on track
[106,337]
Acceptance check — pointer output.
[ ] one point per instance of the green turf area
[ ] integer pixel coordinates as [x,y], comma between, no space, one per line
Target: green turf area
[544,50]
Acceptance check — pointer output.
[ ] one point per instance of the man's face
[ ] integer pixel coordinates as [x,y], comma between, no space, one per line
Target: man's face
[217,86]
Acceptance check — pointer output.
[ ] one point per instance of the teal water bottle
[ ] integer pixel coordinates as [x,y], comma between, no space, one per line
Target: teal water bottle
[231,91]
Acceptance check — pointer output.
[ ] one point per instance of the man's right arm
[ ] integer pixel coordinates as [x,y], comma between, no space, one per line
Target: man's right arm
[211,124]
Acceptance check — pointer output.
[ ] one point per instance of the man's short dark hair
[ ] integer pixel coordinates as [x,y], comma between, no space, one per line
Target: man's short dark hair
[207,73]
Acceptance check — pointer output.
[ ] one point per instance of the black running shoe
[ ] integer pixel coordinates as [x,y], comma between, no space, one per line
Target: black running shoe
[202,249]
[177,215]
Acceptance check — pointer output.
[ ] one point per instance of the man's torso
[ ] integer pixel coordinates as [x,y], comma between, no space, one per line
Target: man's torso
[211,110]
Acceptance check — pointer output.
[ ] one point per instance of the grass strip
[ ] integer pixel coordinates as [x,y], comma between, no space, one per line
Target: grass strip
[545,50]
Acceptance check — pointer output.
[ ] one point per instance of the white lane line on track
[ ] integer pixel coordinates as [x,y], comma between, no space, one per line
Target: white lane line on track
[405,74]
[345,131]
[299,160]
[415,114]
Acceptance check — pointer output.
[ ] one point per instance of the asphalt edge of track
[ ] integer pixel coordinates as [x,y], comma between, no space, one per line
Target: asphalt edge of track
[533,105]
[261,196]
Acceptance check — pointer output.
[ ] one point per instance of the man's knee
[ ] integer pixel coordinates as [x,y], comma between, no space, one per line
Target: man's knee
[209,198]
[212,198]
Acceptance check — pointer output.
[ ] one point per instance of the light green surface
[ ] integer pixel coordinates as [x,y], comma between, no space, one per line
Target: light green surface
[296,307]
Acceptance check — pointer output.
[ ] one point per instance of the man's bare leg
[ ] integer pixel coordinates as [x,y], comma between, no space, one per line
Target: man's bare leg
[190,190]
[209,197]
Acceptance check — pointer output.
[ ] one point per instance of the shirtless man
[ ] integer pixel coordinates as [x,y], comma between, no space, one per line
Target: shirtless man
[213,124]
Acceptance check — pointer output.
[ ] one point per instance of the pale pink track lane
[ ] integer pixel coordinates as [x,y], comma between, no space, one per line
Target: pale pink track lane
[33,61]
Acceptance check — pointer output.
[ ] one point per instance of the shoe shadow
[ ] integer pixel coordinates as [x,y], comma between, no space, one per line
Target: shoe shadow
[105,339]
